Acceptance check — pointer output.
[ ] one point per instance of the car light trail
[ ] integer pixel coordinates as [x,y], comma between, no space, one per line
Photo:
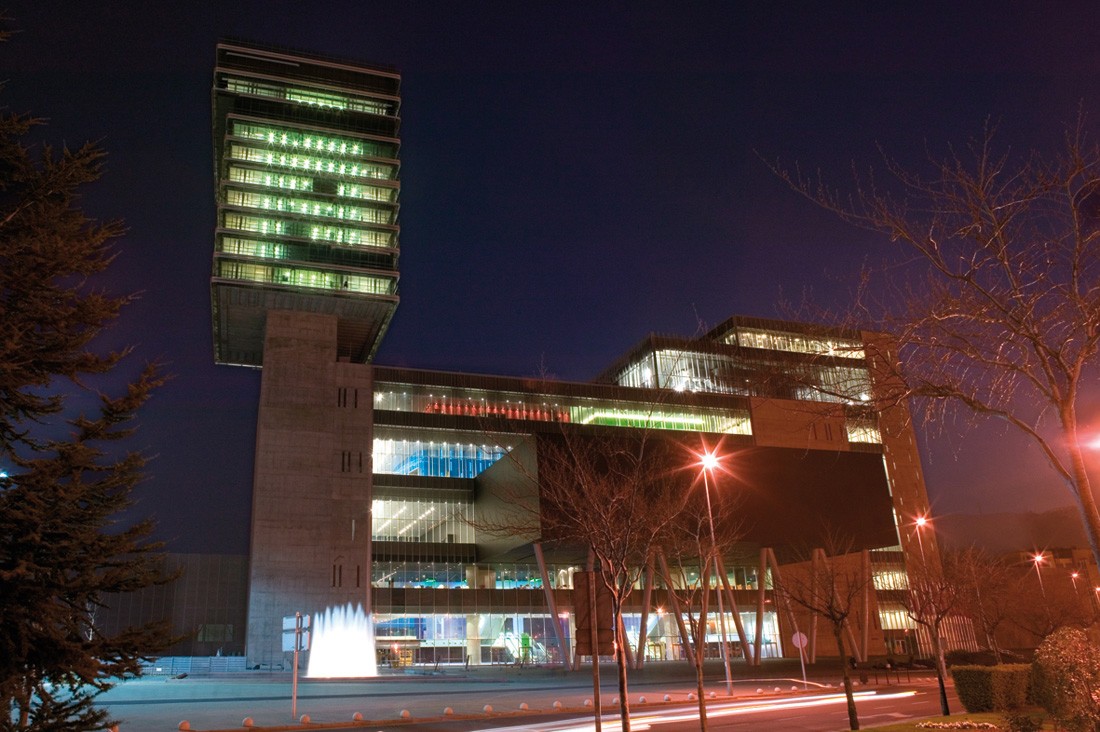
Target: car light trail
[645,721]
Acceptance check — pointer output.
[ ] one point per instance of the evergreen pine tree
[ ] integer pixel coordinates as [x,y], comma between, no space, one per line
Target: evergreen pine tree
[63,550]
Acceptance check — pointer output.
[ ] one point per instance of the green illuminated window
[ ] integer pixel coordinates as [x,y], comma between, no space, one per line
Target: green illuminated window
[313,141]
[253,248]
[539,408]
[662,419]
[312,163]
[307,207]
[311,97]
[367,193]
[305,230]
[272,180]
[305,277]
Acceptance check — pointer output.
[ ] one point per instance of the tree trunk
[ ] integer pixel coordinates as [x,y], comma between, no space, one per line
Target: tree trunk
[941,667]
[620,662]
[701,644]
[853,718]
[1086,502]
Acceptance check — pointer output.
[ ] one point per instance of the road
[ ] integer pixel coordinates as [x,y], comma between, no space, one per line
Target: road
[817,713]
[154,704]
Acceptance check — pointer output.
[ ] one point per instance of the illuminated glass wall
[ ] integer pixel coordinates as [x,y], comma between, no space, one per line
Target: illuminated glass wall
[578,410]
[685,370]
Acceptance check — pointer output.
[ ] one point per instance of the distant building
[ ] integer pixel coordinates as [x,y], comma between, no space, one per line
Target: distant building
[364,473]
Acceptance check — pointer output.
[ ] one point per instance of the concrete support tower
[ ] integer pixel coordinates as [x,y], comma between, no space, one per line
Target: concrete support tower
[304,284]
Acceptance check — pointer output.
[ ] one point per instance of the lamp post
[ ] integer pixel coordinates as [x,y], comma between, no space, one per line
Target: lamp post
[709,461]
[1037,558]
[920,522]
[1073,578]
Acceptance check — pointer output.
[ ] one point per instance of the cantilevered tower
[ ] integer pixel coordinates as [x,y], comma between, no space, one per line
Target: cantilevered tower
[306,168]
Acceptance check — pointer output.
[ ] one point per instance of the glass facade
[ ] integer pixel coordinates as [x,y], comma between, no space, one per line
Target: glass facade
[699,371]
[774,340]
[578,410]
[434,627]
[422,520]
[437,454]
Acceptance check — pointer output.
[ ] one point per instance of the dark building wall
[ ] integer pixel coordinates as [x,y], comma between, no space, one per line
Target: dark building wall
[205,606]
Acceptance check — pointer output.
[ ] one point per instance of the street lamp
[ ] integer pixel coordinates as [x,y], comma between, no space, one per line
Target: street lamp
[920,523]
[1037,558]
[1073,578]
[709,461]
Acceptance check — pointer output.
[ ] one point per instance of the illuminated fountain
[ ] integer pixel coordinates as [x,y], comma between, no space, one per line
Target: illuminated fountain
[343,644]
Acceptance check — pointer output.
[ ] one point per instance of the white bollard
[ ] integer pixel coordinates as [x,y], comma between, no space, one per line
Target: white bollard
[668,697]
[247,722]
[557,704]
[691,696]
[488,709]
[523,707]
[357,717]
[588,702]
[712,695]
[759,691]
[304,719]
[614,700]
[184,725]
[777,690]
[641,700]
[794,688]
[447,711]
[406,714]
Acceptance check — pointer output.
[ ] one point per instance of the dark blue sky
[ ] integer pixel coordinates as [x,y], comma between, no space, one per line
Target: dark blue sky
[574,176]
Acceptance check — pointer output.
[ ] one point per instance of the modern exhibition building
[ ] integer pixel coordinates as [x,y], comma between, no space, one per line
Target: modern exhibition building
[369,480]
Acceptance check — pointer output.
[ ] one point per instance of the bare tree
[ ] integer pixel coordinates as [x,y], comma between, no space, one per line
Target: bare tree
[602,492]
[985,587]
[1046,599]
[932,598]
[687,559]
[830,585]
[995,303]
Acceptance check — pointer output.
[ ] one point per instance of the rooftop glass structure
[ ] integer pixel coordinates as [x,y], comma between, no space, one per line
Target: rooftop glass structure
[306,168]
[752,357]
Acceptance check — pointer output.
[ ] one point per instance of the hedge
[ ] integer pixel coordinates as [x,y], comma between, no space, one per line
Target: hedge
[992,688]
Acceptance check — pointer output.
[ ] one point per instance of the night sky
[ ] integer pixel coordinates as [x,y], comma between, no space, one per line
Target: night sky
[574,176]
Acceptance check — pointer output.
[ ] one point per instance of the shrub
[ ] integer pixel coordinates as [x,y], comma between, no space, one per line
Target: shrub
[1065,673]
[983,657]
[960,657]
[992,688]
[1020,722]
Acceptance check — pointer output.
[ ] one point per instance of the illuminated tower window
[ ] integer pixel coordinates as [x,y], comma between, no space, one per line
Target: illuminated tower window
[307,172]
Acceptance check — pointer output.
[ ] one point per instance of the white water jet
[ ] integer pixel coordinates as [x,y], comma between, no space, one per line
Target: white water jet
[343,644]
